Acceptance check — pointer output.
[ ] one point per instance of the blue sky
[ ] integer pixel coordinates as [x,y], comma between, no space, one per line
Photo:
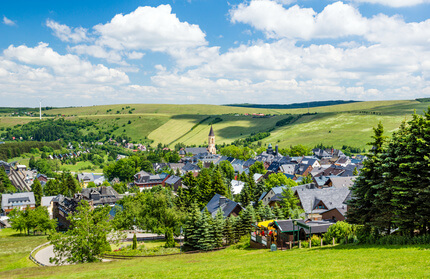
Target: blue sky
[214,52]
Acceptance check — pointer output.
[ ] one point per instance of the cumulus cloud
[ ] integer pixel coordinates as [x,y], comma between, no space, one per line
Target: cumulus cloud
[149,28]
[27,72]
[8,21]
[67,34]
[394,3]
[336,20]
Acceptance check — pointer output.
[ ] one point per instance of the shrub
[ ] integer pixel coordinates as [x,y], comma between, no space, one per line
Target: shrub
[315,240]
[340,230]
[244,242]
[305,244]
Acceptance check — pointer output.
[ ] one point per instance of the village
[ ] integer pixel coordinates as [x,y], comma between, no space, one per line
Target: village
[321,184]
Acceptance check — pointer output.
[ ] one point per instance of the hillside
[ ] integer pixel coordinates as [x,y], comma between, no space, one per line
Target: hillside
[349,124]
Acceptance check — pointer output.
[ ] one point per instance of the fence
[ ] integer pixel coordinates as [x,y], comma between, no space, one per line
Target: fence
[34,259]
[127,257]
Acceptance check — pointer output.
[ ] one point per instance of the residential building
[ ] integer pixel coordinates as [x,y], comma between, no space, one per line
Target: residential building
[17,200]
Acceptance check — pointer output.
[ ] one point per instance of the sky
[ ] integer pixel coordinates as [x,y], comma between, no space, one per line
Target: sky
[82,53]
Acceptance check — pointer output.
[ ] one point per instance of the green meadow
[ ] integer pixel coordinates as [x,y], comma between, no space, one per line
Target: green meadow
[347,261]
[345,124]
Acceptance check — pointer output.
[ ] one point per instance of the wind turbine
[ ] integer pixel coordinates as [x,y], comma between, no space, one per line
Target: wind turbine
[40,108]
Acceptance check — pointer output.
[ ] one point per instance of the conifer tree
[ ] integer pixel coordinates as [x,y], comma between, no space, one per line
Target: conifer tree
[134,247]
[218,228]
[170,241]
[205,232]
[229,230]
[362,207]
[247,219]
[218,186]
[192,224]
[277,212]
[37,190]
[204,187]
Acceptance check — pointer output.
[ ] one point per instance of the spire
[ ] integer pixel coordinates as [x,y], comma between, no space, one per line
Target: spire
[211,133]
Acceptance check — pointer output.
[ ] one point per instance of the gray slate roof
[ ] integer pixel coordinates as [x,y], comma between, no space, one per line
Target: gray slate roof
[331,197]
[196,150]
[18,199]
[218,201]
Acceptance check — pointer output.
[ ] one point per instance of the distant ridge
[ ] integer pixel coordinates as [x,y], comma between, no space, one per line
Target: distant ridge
[295,105]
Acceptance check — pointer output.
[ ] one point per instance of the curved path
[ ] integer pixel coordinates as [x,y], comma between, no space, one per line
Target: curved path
[47,252]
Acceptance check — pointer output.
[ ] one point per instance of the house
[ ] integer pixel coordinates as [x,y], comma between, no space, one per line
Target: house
[195,150]
[146,180]
[6,166]
[310,161]
[4,222]
[42,178]
[274,191]
[343,161]
[86,178]
[64,206]
[228,207]
[17,200]
[173,182]
[315,202]
[288,169]
[257,177]
[341,182]
[47,202]
[237,186]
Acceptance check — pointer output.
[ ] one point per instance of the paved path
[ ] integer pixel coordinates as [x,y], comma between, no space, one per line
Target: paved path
[47,252]
[44,254]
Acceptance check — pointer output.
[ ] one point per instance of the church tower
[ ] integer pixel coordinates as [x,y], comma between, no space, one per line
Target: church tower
[211,141]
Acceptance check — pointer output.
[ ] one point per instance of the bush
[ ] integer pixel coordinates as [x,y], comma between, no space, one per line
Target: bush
[170,241]
[244,242]
[315,240]
[305,244]
[340,230]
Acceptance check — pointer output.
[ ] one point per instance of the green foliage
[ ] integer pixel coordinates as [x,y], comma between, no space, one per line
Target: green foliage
[238,152]
[297,150]
[307,179]
[170,241]
[134,242]
[279,179]
[5,184]
[315,240]
[37,190]
[205,232]
[290,204]
[218,228]
[36,220]
[257,167]
[86,238]
[252,138]
[339,231]
[15,149]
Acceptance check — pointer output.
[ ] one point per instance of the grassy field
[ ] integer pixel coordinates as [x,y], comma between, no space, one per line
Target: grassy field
[15,248]
[346,124]
[347,261]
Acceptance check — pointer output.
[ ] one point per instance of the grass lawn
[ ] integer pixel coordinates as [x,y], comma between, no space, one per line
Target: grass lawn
[347,261]
[15,249]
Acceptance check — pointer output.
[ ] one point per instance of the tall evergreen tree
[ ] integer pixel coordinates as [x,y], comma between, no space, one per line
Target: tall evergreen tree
[218,229]
[218,186]
[362,207]
[205,232]
[37,190]
[204,187]
[229,230]
[191,228]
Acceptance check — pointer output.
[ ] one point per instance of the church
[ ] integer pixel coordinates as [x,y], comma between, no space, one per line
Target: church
[211,141]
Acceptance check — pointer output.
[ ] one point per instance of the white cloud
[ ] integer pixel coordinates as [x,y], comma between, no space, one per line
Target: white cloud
[98,52]
[337,20]
[27,73]
[67,34]
[149,28]
[134,55]
[8,21]
[394,3]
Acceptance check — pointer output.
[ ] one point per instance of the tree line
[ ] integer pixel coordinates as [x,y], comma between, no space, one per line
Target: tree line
[392,191]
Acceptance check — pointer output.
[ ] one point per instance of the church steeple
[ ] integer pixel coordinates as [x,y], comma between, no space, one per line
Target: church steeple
[211,141]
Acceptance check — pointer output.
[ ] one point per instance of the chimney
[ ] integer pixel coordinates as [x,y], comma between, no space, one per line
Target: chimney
[222,201]
[276,150]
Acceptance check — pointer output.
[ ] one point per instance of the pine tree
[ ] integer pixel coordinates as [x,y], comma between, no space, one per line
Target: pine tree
[247,219]
[37,190]
[229,230]
[205,232]
[134,247]
[218,228]
[204,187]
[218,186]
[355,172]
[278,214]
[191,229]
[362,207]
[170,241]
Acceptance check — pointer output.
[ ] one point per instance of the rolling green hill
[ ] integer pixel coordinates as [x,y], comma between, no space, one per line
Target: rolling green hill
[343,124]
